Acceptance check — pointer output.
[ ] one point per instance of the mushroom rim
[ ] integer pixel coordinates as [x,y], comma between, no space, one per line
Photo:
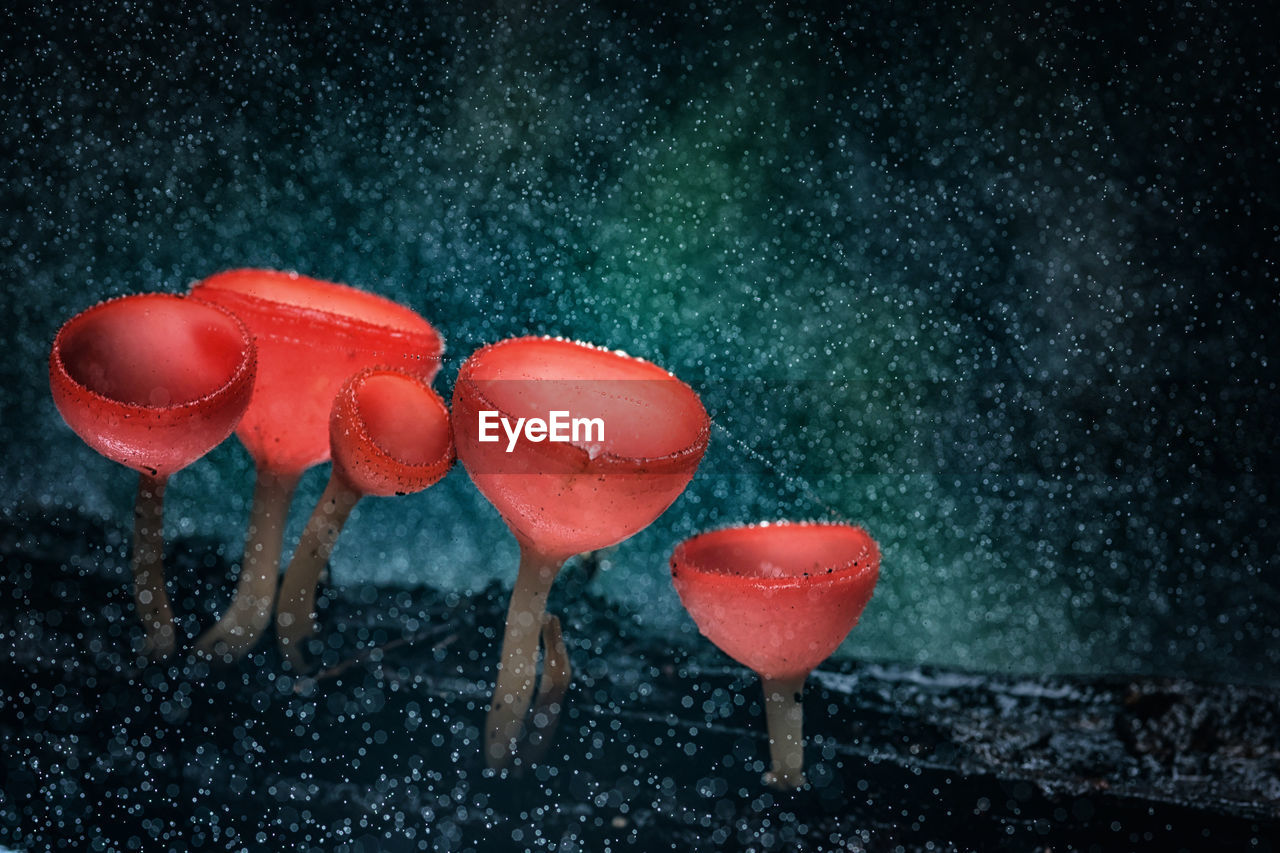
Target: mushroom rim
[865,562]
[246,367]
[427,331]
[347,398]
[605,459]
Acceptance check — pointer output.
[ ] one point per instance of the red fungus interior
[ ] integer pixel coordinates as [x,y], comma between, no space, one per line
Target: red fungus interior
[648,413]
[779,552]
[152,381]
[390,433]
[153,352]
[404,418]
[777,598]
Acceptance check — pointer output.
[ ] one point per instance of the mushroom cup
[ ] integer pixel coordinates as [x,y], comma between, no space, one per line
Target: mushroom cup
[643,433]
[390,436]
[154,382]
[778,598]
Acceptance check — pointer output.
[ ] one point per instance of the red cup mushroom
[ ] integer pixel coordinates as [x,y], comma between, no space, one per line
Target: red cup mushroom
[154,382]
[390,435]
[561,498]
[312,336]
[778,598]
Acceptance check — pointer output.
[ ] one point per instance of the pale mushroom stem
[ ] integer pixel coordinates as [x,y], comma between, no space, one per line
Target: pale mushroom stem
[557,673]
[295,619]
[785,718]
[518,669]
[241,626]
[149,592]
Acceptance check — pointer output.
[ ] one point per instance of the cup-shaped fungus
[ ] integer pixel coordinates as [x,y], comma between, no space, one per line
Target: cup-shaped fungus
[312,336]
[578,448]
[390,436]
[778,598]
[154,382]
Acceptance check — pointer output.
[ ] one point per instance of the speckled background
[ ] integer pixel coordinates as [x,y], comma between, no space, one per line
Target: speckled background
[1001,289]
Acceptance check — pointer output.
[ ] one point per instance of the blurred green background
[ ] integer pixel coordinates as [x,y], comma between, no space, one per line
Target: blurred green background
[1001,290]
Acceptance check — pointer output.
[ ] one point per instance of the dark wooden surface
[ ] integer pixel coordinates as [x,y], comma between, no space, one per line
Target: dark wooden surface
[660,747]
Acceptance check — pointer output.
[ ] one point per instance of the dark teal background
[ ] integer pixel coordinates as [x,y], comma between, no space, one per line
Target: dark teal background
[1001,289]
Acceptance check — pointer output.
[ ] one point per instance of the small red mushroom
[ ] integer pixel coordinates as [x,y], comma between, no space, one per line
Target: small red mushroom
[390,435]
[778,598]
[154,382]
[563,498]
[312,336]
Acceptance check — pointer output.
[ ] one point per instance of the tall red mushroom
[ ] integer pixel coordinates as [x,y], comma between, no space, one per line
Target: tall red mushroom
[389,434]
[778,598]
[563,498]
[312,336]
[154,382]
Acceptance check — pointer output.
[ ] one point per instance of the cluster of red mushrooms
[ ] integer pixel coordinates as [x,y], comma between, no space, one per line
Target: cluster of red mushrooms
[306,371]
